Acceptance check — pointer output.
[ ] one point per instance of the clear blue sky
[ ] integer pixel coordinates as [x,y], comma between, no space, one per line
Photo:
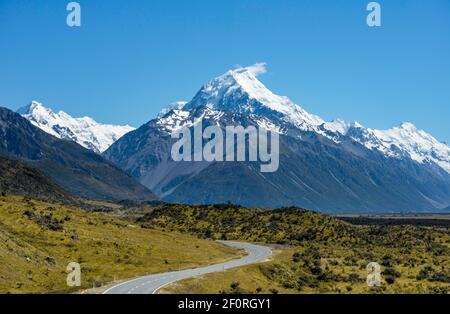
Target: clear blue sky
[130,58]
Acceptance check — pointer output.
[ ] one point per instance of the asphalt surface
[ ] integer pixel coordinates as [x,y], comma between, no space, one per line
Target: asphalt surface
[152,283]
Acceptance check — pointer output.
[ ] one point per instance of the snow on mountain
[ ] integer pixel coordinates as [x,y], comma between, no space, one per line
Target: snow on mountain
[398,142]
[84,131]
[178,105]
[406,138]
[322,166]
[339,126]
[240,91]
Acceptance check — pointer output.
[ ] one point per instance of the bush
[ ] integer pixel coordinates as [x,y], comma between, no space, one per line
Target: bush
[234,285]
[296,257]
[307,280]
[424,273]
[354,278]
[390,279]
[234,289]
[389,271]
[350,261]
[386,261]
[440,277]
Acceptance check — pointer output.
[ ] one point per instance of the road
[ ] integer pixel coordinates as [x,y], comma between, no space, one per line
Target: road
[152,283]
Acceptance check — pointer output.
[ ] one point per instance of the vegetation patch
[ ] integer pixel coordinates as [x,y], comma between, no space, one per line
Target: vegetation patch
[321,254]
[39,239]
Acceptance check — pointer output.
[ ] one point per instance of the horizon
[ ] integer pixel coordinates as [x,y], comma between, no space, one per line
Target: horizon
[126,63]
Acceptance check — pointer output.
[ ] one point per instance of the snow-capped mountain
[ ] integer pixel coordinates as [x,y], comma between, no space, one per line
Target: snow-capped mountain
[178,105]
[240,91]
[332,166]
[84,131]
[76,170]
[404,141]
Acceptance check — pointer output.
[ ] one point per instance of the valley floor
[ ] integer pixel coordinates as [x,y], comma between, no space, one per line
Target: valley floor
[316,253]
[313,253]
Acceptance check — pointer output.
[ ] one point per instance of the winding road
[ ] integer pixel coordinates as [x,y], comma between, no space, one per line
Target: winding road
[152,283]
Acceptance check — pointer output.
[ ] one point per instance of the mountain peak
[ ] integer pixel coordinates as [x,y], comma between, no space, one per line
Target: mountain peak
[408,126]
[239,90]
[243,82]
[85,131]
[246,78]
[34,106]
[178,105]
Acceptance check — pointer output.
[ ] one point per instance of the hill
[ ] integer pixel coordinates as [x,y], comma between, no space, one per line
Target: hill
[287,226]
[77,170]
[19,179]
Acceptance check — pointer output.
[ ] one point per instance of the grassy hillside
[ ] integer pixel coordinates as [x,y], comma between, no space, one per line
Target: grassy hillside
[39,239]
[314,253]
[320,254]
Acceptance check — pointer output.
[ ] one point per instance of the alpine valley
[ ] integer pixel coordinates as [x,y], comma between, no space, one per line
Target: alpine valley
[132,211]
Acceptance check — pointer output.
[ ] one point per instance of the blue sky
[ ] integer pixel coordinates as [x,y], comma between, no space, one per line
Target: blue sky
[130,58]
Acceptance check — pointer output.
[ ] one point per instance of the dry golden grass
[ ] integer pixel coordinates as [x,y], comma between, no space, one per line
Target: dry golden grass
[34,257]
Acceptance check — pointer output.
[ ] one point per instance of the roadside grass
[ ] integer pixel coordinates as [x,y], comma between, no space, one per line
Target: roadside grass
[321,254]
[250,279]
[283,275]
[314,253]
[38,240]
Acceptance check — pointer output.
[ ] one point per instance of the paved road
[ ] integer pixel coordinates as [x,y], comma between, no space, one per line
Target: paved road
[152,283]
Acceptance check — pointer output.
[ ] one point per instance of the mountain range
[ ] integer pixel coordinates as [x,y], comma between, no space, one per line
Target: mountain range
[328,166]
[84,131]
[73,168]
[332,166]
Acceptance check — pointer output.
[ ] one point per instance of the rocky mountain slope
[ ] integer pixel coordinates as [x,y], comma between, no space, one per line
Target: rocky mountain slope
[19,179]
[330,166]
[77,170]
